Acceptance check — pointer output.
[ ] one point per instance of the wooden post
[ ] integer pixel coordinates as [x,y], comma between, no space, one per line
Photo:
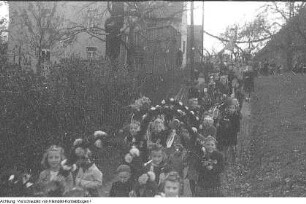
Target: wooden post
[202,32]
[192,44]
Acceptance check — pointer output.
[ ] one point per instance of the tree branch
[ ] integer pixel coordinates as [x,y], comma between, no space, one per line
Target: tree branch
[238,42]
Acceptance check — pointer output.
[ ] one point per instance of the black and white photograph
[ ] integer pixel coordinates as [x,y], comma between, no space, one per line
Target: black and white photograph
[152,99]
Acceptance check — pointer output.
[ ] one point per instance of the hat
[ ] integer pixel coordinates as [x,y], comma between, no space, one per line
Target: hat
[123,168]
[210,138]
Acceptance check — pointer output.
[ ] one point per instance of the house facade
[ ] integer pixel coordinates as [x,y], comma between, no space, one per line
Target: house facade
[48,19]
[198,44]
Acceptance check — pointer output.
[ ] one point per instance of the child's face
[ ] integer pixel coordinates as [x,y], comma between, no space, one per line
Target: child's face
[207,123]
[232,108]
[157,157]
[134,129]
[210,146]
[172,189]
[158,125]
[223,80]
[185,134]
[54,159]
[124,176]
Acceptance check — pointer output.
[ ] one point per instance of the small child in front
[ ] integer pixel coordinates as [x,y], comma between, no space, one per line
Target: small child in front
[50,180]
[123,187]
[89,177]
[172,185]
[209,168]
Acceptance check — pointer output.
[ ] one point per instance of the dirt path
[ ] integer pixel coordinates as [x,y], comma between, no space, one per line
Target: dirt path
[233,184]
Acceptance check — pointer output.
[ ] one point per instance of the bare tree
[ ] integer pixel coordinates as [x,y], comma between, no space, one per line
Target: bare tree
[139,18]
[43,29]
[292,15]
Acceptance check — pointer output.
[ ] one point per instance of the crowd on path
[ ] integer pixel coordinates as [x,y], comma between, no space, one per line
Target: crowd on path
[160,143]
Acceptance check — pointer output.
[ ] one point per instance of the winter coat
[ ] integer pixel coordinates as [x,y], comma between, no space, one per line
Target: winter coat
[45,178]
[158,170]
[90,179]
[150,189]
[210,178]
[206,131]
[228,128]
[120,189]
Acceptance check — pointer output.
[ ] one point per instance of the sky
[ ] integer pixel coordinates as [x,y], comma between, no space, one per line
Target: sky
[220,14]
[3,10]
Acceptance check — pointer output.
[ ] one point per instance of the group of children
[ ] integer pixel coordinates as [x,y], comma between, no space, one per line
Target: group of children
[86,180]
[174,156]
[174,153]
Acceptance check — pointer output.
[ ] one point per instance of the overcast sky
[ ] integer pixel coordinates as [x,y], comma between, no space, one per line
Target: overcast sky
[220,14]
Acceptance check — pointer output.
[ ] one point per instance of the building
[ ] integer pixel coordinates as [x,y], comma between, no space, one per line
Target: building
[165,40]
[288,45]
[26,44]
[198,45]
[23,43]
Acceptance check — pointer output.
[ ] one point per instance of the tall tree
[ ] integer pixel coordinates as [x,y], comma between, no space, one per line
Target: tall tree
[139,18]
[43,29]
[292,16]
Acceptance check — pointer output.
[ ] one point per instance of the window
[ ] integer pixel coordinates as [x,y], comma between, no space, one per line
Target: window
[45,55]
[91,53]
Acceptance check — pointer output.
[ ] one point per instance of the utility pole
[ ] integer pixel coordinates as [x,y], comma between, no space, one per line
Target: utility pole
[202,58]
[192,44]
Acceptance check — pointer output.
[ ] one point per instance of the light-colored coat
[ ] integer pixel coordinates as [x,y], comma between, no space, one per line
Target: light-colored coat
[91,179]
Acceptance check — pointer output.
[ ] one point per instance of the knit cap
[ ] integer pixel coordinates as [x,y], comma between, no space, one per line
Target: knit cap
[123,168]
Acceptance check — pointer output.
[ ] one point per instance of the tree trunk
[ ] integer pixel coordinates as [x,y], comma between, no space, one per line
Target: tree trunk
[38,65]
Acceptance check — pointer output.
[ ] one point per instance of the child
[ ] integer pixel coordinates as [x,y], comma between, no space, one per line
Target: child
[209,169]
[192,174]
[229,126]
[208,127]
[52,163]
[134,128]
[123,187]
[159,133]
[172,185]
[89,176]
[177,161]
[157,164]
[146,186]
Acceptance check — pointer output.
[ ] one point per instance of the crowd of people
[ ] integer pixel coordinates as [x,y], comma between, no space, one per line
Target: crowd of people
[162,146]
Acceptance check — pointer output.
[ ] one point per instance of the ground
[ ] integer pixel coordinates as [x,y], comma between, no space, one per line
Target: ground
[271,157]
[272,143]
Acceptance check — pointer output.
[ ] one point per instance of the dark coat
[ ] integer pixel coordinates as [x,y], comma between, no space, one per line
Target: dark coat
[162,168]
[248,81]
[150,189]
[228,128]
[210,178]
[120,189]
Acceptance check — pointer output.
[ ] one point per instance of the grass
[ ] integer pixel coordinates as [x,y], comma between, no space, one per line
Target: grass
[280,117]
[274,161]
